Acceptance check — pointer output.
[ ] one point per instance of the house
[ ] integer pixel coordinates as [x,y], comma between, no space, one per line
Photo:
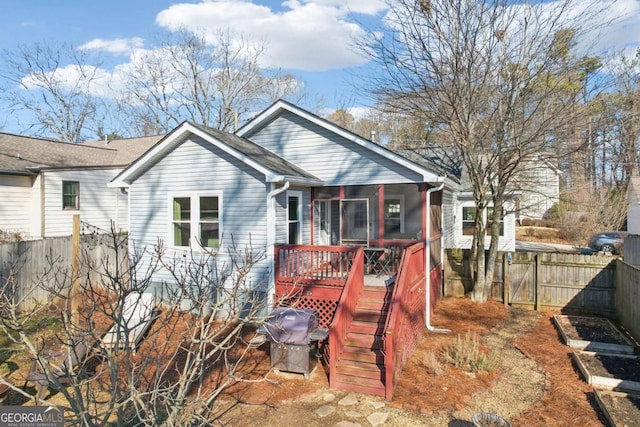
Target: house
[287,183]
[633,206]
[539,186]
[531,194]
[458,207]
[44,182]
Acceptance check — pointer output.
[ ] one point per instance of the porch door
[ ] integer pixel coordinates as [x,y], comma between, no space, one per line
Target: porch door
[354,216]
[322,222]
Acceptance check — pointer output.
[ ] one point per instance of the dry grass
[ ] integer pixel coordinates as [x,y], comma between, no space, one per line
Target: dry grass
[540,234]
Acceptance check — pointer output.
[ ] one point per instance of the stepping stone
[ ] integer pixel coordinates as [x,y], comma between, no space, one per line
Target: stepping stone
[325,411]
[377,404]
[348,400]
[377,418]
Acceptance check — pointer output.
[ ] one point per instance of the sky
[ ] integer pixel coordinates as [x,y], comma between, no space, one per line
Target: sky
[312,39]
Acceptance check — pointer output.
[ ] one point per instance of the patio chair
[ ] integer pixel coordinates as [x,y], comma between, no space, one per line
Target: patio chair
[67,362]
[138,311]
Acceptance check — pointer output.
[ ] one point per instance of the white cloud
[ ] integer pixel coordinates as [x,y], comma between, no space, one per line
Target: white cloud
[94,80]
[309,35]
[115,46]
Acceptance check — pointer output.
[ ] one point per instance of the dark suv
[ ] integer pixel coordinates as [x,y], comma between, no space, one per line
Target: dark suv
[608,241]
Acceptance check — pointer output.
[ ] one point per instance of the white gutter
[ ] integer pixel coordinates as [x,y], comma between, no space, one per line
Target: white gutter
[427,254]
[271,237]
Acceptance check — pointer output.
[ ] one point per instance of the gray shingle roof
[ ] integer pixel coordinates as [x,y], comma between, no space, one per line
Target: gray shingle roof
[435,159]
[127,149]
[19,153]
[257,153]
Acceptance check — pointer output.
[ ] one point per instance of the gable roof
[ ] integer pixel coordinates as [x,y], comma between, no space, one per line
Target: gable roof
[280,106]
[25,155]
[274,167]
[127,149]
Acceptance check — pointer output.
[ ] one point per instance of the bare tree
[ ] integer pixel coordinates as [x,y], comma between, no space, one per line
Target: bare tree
[57,87]
[215,83]
[497,78]
[194,349]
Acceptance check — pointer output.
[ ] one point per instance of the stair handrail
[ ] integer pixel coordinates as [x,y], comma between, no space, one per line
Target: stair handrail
[344,312]
[404,286]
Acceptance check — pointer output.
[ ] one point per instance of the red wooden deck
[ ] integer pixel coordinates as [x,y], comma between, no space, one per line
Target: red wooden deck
[372,331]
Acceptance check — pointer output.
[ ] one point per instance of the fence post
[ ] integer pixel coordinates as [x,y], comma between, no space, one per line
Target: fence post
[75,270]
[538,281]
[505,278]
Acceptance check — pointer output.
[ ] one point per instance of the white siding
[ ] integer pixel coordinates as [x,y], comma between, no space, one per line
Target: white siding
[328,156]
[281,216]
[98,204]
[17,212]
[197,166]
[633,218]
[506,243]
[540,186]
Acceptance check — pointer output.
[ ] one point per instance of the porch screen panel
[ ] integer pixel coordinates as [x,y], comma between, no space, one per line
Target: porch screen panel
[355,221]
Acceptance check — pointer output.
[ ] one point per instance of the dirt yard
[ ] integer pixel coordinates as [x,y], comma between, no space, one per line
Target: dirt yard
[534,383]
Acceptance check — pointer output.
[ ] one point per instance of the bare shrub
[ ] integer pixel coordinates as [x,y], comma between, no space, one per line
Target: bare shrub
[197,345]
[466,353]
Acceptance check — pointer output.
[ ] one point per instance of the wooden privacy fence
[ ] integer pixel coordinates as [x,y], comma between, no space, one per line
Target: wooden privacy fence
[628,301]
[582,283]
[32,271]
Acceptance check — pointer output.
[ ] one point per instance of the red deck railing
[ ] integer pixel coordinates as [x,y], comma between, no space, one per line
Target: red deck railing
[313,277]
[405,317]
[344,313]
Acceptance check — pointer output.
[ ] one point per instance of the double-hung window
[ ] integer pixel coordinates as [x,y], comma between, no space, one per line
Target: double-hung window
[196,220]
[294,217]
[70,195]
[468,220]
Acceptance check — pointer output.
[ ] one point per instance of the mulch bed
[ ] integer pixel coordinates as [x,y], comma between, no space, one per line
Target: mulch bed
[621,409]
[594,329]
[611,365]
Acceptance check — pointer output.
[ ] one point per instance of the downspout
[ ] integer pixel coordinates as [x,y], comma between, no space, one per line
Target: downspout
[271,238]
[427,263]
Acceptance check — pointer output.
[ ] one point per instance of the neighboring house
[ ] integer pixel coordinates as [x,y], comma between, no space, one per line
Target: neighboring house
[286,177]
[633,206]
[531,195]
[43,183]
[539,187]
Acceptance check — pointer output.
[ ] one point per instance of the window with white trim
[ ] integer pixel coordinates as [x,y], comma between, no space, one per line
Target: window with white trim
[70,195]
[196,220]
[393,214]
[468,220]
[294,217]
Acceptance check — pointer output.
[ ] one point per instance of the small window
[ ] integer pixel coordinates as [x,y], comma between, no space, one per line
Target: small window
[70,195]
[468,219]
[294,219]
[393,215]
